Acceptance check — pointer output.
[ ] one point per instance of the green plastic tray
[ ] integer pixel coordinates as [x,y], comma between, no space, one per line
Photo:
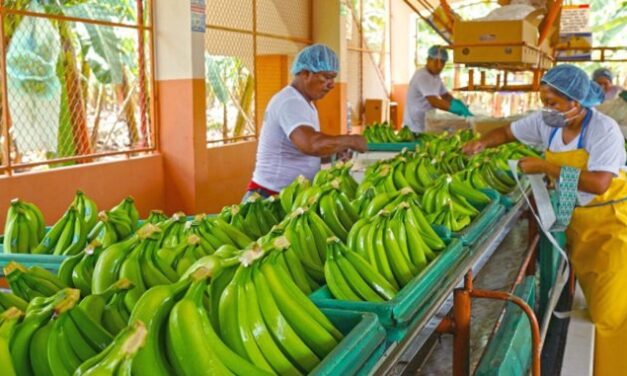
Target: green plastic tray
[50,262]
[489,214]
[393,146]
[360,349]
[398,314]
[509,352]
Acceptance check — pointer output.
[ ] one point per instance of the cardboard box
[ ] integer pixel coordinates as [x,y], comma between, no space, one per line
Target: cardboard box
[501,42]
[377,111]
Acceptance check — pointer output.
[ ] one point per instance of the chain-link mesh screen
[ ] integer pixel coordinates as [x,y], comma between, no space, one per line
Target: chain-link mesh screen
[73,89]
[229,67]
[368,45]
[239,36]
[284,17]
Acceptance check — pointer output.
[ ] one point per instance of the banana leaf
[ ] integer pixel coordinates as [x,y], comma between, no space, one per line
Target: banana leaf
[212,72]
[102,44]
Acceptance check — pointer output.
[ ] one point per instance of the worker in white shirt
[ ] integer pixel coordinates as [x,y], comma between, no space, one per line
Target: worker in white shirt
[291,143]
[426,91]
[604,78]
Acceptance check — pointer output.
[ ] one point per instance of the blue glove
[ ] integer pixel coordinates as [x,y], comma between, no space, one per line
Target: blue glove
[459,108]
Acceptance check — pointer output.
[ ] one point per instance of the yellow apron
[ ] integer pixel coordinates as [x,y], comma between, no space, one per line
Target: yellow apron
[597,240]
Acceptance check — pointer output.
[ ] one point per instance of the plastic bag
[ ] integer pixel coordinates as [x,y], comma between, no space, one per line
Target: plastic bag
[34,90]
[509,12]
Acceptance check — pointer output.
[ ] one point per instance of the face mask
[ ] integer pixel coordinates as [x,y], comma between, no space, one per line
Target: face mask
[556,119]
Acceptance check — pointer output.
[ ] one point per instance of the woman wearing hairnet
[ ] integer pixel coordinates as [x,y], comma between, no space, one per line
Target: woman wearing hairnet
[574,134]
[604,77]
[291,143]
[426,91]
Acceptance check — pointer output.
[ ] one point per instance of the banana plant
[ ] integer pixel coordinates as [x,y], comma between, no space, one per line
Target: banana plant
[99,52]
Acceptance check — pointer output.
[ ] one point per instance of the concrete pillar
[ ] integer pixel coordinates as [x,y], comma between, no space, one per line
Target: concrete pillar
[179,40]
[329,20]
[402,45]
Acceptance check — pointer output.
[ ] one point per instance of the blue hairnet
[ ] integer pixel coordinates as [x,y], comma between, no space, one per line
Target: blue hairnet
[575,84]
[438,52]
[602,72]
[316,58]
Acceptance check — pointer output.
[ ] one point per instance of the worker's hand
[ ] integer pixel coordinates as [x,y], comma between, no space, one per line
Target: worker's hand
[532,165]
[345,155]
[473,147]
[459,108]
[358,143]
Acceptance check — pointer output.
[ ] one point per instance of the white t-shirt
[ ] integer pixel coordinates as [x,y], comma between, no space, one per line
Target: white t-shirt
[279,162]
[602,140]
[422,85]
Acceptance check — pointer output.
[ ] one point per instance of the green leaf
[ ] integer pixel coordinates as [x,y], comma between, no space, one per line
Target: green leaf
[104,56]
[212,72]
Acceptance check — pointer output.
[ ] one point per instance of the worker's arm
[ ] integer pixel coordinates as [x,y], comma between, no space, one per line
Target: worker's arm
[311,142]
[595,182]
[447,97]
[439,102]
[493,138]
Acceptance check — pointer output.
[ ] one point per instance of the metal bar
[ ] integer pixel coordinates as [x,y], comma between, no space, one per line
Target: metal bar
[252,136]
[614,48]
[358,49]
[141,71]
[261,34]
[255,65]
[461,343]
[449,13]
[533,322]
[81,157]
[396,358]
[27,13]
[6,120]
[549,19]
[528,264]
[154,99]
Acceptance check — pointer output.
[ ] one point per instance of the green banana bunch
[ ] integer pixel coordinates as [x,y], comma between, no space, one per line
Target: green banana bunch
[172,230]
[116,224]
[339,171]
[29,283]
[104,231]
[93,305]
[153,309]
[288,195]
[397,242]
[216,228]
[9,300]
[156,216]
[336,210]
[117,357]
[307,233]
[107,269]
[66,237]
[77,270]
[253,218]
[31,340]
[350,277]
[24,227]
[273,204]
[363,200]
[194,347]
[382,133]
[264,317]
[88,207]
[8,320]
[406,135]
[181,257]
